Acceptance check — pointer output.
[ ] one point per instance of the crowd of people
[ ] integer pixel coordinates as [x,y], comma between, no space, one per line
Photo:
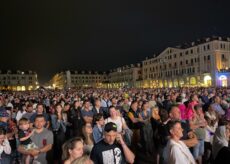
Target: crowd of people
[112,126]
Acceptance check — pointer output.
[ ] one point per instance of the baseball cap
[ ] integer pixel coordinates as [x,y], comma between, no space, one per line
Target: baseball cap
[110,127]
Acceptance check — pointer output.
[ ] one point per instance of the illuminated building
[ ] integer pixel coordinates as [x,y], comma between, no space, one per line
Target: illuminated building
[202,63]
[127,76]
[18,80]
[78,79]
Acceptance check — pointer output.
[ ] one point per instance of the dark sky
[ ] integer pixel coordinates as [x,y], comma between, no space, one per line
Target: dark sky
[52,35]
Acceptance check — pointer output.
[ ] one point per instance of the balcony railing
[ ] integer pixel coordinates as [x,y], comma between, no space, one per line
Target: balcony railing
[224,70]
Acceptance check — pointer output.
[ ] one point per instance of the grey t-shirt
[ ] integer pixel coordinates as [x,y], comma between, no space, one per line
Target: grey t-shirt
[27,115]
[40,140]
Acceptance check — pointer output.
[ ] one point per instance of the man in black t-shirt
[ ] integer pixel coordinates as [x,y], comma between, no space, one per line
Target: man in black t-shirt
[112,149]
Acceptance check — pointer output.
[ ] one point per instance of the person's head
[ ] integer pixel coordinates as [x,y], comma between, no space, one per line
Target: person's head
[39,121]
[217,99]
[110,133]
[126,101]
[66,107]
[114,101]
[40,108]
[140,103]
[24,124]
[153,97]
[175,129]
[83,160]
[198,109]
[174,113]
[221,139]
[179,99]
[76,104]
[145,105]
[72,149]
[163,115]
[155,112]
[2,135]
[29,108]
[134,105]
[86,104]
[99,119]
[4,115]
[87,129]
[112,111]
[194,97]
[210,108]
[97,103]
[58,108]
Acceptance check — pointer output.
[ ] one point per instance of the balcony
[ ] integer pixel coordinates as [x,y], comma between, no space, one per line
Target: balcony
[224,70]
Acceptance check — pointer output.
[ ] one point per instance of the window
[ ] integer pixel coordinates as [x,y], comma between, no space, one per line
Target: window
[181,62]
[186,61]
[222,57]
[204,58]
[208,47]
[193,70]
[191,51]
[174,55]
[208,57]
[181,54]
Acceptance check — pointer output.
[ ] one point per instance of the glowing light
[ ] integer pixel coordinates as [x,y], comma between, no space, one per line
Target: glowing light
[223,77]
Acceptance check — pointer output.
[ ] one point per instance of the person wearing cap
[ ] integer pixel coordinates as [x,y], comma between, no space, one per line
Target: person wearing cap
[112,149]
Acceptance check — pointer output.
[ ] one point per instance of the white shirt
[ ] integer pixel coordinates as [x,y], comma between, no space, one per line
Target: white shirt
[118,122]
[19,115]
[178,153]
[208,135]
[5,147]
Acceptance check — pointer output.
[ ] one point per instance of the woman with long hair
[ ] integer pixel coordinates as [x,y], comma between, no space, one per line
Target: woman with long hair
[87,131]
[59,129]
[72,149]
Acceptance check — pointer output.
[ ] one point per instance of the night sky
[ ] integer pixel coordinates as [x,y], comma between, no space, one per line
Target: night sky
[48,36]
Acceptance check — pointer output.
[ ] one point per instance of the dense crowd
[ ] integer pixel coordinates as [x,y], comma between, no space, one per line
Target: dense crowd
[103,126]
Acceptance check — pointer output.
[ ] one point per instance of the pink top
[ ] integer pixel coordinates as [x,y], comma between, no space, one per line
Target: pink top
[190,109]
[183,111]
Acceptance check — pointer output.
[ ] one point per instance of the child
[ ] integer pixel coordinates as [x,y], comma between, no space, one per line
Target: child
[5,148]
[24,135]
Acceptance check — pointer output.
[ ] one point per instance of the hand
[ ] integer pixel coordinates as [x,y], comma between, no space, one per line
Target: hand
[34,152]
[191,134]
[120,139]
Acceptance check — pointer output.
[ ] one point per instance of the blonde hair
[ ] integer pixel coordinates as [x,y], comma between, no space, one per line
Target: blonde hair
[81,160]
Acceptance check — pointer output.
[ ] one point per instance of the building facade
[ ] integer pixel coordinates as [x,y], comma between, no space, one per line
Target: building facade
[18,80]
[205,62]
[202,63]
[127,76]
[78,79]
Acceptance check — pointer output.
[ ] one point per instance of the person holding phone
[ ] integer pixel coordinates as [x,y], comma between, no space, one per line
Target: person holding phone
[112,149]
